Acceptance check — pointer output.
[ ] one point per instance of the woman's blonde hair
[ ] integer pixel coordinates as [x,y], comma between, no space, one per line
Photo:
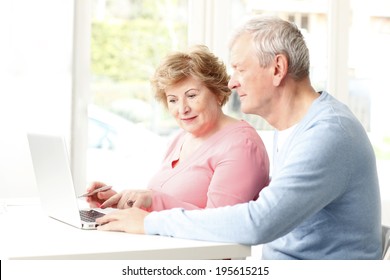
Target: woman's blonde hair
[199,63]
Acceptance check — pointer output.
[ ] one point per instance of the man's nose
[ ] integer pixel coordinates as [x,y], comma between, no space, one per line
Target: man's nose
[232,82]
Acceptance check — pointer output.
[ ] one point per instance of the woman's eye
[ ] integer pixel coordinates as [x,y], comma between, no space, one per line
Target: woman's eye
[171,101]
[191,94]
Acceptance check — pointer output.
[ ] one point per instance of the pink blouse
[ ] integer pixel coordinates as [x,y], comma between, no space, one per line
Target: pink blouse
[231,167]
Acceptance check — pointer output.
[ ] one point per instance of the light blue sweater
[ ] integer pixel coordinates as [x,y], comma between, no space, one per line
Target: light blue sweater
[323,201]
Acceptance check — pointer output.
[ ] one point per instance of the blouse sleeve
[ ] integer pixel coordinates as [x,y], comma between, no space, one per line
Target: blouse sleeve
[240,175]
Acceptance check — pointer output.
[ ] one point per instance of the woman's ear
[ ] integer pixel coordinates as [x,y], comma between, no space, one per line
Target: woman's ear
[280,69]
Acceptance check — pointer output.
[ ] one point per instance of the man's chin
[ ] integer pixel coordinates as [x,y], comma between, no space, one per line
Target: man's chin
[245,109]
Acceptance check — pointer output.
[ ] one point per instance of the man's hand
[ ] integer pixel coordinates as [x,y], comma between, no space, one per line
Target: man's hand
[129,220]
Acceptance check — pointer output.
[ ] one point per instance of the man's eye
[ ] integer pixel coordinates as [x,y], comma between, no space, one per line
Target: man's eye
[191,95]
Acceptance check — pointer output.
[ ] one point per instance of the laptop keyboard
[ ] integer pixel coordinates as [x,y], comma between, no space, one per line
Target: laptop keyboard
[90,215]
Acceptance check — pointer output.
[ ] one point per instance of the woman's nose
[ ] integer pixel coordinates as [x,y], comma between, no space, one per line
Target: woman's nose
[183,107]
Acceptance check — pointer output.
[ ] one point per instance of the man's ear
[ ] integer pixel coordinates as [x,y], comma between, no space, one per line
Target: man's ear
[280,69]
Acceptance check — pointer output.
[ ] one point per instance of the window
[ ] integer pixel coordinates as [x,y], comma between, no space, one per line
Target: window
[128,40]
[123,56]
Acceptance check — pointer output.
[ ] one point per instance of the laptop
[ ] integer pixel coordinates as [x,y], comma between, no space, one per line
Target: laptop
[55,183]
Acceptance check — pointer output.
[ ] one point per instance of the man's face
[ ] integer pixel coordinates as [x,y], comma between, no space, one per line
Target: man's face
[252,83]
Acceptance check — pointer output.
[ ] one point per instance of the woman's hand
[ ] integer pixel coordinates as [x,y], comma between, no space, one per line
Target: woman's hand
[96,200]
[130,198]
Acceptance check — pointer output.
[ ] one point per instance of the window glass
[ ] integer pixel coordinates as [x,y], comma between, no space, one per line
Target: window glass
[129,38]
[369,58]
[127,128]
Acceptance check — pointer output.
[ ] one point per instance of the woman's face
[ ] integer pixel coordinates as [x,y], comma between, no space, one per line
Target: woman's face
[195,108]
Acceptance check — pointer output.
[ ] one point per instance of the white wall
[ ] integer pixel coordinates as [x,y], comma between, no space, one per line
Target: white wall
[35,83]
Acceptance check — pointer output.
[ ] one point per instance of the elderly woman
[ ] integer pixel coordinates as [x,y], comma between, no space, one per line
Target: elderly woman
[215,160]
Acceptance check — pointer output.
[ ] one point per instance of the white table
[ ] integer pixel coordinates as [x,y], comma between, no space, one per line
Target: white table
[27,233]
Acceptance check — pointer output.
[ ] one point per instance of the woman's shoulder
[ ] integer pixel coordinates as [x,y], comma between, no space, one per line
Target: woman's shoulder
[243,128]
[240,133]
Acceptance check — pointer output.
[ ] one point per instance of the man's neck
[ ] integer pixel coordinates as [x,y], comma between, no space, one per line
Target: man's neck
[292,104]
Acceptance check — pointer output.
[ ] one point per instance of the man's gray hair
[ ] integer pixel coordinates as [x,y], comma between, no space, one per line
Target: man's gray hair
[272,36]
